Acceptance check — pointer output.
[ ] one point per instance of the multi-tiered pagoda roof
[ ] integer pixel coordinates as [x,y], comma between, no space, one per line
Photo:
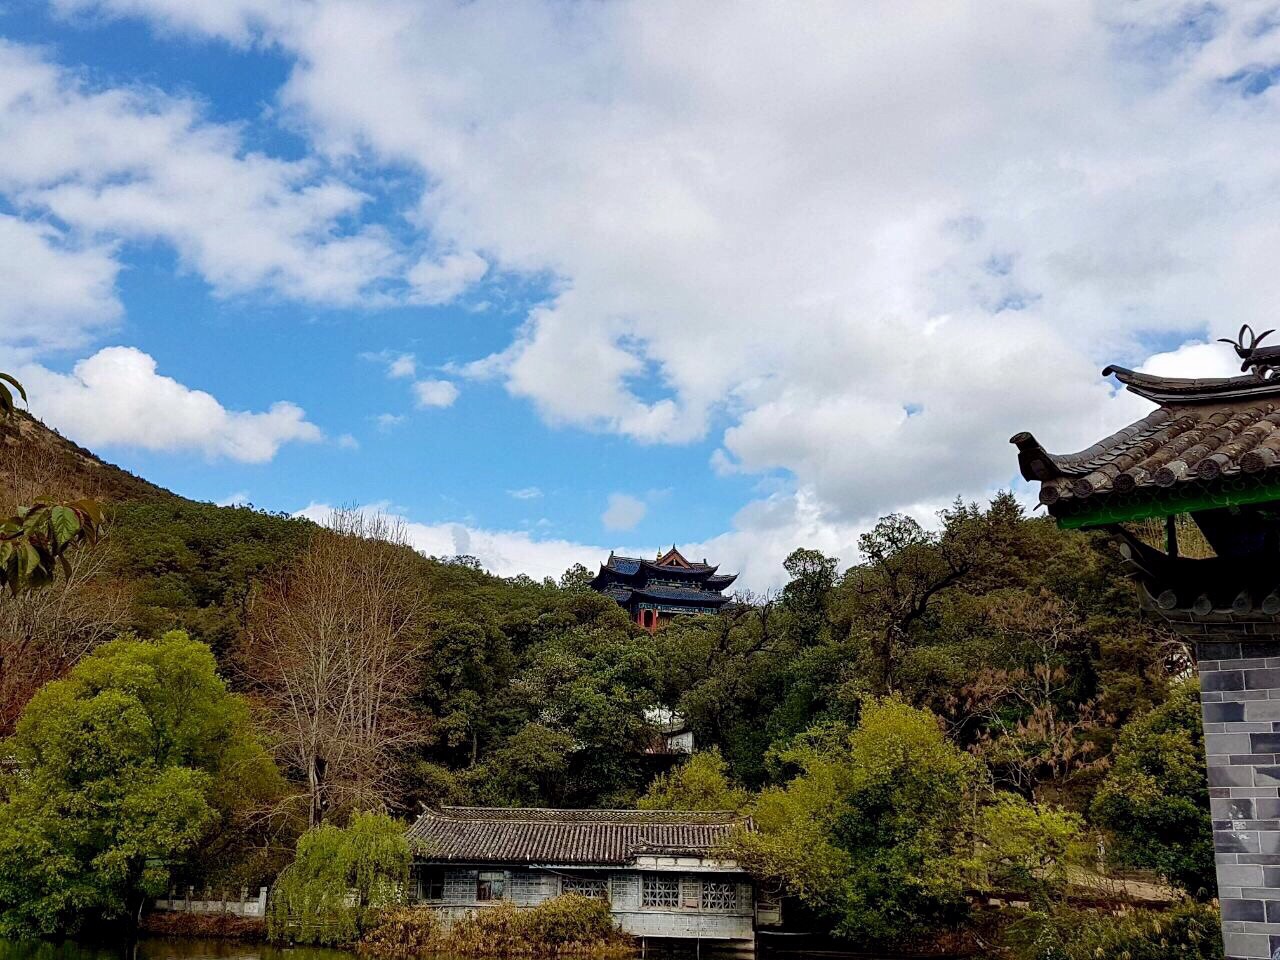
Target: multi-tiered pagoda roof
[654,590]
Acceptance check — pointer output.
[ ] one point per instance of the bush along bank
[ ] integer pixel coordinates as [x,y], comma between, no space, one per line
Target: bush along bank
[565,926]
[1190,931]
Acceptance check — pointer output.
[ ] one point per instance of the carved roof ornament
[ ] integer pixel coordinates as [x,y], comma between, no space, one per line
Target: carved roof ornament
[1263,361]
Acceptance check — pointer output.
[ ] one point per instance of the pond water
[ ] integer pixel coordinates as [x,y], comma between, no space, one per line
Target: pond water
[159,948]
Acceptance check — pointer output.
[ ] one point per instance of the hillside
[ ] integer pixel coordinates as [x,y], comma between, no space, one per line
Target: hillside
[36,460]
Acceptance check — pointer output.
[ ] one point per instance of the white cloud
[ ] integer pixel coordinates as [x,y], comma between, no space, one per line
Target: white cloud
[53,293]
[116,398]
[1194,359]
[525,493]
[238,499]
[435,393]
[874,244]
[399,365]
[404,365]
[388,421]
[624,512]
[136,164]
[440,281]
[763,534]
[503,552]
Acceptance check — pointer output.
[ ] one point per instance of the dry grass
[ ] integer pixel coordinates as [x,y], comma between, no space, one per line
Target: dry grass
[203,926]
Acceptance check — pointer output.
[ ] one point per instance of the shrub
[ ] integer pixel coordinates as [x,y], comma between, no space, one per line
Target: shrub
[1190,932]
[562,926]
[402,933]
[571,918]
[499,929]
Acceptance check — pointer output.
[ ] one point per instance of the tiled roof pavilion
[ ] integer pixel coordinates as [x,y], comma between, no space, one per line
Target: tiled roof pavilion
[668,585]
[568,837]
[1211,450]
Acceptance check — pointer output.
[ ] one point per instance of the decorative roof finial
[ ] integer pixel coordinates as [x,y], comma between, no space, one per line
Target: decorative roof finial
[1264,361]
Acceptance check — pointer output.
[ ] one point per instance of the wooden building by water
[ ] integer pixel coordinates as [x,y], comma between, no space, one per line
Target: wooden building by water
[661,871]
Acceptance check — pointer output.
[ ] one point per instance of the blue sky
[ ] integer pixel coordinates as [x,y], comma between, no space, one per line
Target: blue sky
[721,276]
[487,459]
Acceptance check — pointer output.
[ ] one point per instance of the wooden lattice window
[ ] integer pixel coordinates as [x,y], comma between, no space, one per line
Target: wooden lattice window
[491,885]
[431,884]
[659,891]
[585,887]
[719,896]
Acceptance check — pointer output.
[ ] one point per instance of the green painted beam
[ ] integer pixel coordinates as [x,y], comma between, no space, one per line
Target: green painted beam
[1107,509]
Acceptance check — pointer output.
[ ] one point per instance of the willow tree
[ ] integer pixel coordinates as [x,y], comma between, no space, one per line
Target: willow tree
[333,650]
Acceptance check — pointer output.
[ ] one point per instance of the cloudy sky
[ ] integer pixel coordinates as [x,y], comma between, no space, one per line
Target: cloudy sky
[551,278]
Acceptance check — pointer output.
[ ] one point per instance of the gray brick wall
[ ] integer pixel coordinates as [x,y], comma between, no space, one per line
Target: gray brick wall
[1240,700]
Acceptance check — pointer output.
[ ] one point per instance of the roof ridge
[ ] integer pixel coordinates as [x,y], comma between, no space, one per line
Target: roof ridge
[581,814]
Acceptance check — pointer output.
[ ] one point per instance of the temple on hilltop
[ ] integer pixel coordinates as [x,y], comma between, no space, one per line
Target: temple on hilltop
[654,591]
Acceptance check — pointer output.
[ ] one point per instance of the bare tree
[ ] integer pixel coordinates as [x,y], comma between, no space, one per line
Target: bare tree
[44,633]
[333,651]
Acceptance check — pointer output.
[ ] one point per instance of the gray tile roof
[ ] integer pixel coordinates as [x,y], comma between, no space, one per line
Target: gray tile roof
[1202,430]
[570,837]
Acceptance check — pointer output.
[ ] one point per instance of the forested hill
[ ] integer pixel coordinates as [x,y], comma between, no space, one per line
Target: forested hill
[1021,642]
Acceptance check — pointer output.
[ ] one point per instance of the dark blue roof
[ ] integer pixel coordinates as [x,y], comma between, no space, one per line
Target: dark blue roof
[625,566]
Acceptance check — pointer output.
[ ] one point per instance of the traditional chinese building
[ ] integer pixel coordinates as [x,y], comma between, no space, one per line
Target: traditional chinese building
[662,872]
[1210,451]
[653,591]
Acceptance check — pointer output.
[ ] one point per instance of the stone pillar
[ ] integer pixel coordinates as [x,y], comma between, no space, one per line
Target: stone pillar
[1240,700]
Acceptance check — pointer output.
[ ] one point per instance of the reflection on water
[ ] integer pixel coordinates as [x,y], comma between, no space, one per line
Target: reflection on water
[156,948]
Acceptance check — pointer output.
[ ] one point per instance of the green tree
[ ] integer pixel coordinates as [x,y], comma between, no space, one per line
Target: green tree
[1156,797]
[338,879]
[904,571]
[871,831]
[807,593]
[700,783]
[594,684]
[1026,848]
[576,578]
[527,770]
[121,769]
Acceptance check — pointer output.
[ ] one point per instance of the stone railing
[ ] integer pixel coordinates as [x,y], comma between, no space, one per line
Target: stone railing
[216,901]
